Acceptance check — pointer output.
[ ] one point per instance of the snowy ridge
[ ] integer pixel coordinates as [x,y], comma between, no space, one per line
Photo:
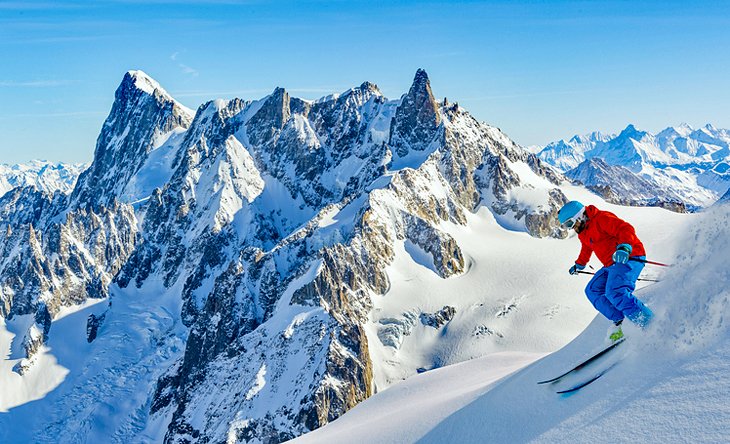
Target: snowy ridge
[619,185]
[689,163]
[566,155]
[41,175]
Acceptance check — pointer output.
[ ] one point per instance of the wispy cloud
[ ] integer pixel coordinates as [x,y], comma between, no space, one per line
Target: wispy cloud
[33,83]
[55,114]
[183,67]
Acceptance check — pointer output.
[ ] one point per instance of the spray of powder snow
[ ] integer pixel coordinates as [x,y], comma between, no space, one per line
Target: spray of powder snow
[691,304]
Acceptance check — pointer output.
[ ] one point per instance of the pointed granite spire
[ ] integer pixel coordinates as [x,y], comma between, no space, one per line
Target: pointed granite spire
[417,119]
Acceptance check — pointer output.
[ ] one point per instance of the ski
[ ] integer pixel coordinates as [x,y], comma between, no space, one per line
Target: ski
[585,383]
[585,363]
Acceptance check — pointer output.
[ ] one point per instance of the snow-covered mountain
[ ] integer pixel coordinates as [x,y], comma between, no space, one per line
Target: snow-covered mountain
[228,274]
[682,161]
[44,176]
[669,383]
[619,185]
[566,155]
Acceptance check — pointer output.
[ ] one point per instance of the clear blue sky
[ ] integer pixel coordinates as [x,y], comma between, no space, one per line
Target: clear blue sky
[540,70]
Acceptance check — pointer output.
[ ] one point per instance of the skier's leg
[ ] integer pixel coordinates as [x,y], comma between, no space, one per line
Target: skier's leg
[596,292]
[620,285]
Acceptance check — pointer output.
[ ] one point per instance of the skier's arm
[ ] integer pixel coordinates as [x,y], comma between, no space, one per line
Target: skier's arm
[585,255]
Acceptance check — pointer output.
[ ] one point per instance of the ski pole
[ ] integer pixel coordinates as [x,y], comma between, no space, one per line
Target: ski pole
[649,262]
[640,279]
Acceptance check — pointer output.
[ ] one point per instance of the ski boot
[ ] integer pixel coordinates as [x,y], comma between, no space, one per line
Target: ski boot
[615,333]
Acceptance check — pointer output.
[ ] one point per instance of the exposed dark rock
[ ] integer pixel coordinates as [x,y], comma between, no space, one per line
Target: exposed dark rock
[438,319]
[417,119]
[93,323]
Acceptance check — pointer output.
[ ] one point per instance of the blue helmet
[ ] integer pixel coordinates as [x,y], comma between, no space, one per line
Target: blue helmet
[570,211]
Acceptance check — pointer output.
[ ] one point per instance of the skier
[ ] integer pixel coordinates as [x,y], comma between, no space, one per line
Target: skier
[616,245]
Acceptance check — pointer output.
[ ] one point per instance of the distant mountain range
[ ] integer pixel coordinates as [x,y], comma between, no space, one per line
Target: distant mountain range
[42,175]
[678,163]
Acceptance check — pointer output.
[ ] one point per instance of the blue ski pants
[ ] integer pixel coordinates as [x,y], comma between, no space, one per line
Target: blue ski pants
[611,291]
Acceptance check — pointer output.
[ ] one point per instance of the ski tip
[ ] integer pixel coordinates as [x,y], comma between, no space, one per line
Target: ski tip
[579,386]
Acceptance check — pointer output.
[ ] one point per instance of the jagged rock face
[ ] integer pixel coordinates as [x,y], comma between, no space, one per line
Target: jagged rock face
[277,226]
[142,117]
[26,205]
[333,137]
[438,319]
[417,120]
[61,250]
[52,264]
[299,145]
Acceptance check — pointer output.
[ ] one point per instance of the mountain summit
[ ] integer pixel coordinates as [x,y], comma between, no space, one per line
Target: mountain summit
[417,118]
[143,117]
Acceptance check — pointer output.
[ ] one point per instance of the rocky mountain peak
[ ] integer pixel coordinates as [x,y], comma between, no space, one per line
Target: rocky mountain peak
[421,81]
[137,79]
[142,117]
[276,108]
[271,117]
[369,86]
[631,132]
[621,186]
[417,119]
[269,239]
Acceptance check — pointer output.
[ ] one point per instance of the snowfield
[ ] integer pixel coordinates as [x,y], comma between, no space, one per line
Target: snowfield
[81,392]
[670,383]
[516,295]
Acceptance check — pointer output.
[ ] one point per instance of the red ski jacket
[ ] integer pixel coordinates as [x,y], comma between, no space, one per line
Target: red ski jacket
[603,232]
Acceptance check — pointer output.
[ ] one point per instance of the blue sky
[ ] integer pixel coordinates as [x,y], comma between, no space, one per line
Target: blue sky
[539,70]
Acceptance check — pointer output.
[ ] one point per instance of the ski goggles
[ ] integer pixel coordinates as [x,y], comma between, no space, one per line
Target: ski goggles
[570,223]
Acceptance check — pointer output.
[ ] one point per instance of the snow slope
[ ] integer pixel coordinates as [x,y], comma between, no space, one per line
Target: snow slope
[671,383]
[77,390]
[516,291]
